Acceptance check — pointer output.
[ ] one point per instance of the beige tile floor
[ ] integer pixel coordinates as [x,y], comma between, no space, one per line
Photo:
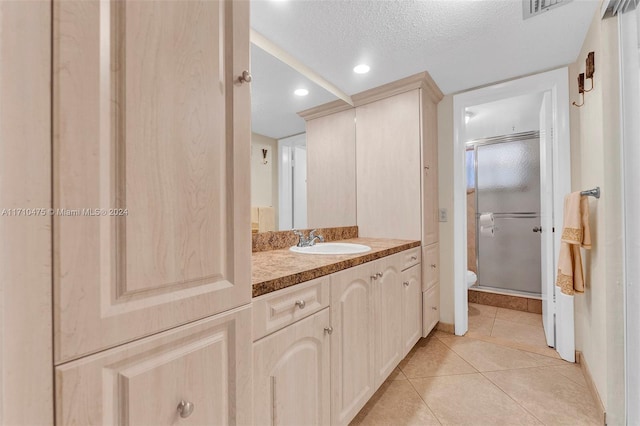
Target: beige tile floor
[500,373]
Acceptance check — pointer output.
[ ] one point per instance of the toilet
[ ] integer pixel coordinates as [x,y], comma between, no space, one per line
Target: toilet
[471,278]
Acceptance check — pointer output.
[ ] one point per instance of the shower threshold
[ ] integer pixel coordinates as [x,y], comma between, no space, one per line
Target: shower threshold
[506,292]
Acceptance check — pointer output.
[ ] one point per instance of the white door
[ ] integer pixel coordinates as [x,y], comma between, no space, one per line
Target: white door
[557,308]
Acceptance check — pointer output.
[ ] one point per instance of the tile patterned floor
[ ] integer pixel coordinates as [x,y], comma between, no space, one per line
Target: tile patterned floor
[500,373]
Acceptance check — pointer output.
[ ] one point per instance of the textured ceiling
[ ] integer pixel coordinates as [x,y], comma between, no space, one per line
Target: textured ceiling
[461,43]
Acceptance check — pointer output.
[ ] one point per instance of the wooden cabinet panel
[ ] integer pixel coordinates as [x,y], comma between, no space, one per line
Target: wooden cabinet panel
[430,221]
[388,157]
[150,127]
[411,308]
[410,257]
[388,313]
[430,309]
[331,175]
[430,266]
[274,311]
[206,363]
[291,374]
[352,342]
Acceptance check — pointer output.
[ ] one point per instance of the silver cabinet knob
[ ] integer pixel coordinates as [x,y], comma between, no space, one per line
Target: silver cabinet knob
[185,408]
[435,308]
[537,229]
[328,330]
[414,258]
[433,265]
[379,275]
[301,304]
[406,283]
[245,77]
[374,276]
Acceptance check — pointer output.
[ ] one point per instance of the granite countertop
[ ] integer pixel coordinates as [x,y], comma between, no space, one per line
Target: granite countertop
[277,269]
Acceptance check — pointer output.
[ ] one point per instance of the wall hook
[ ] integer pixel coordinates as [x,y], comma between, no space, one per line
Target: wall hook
[580,89]
[264,156]
[590,69]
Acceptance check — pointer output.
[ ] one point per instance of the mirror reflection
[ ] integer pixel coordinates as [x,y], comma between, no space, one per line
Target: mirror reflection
[278,142]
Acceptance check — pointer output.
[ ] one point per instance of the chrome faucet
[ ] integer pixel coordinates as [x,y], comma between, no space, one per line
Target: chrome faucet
[308,241]
[313,237]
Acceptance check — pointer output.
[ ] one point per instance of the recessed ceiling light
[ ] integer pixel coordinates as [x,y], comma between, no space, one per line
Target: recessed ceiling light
[361,69]
[301,92]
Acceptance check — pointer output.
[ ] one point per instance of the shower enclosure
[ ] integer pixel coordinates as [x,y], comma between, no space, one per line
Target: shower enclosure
[505,173]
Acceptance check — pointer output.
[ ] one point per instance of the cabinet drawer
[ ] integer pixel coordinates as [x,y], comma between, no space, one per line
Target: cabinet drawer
[206,363]
[276,310]
[430,266]
[410,258]
[430,309]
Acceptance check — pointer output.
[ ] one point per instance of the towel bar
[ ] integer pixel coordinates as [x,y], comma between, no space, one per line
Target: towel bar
[595,192]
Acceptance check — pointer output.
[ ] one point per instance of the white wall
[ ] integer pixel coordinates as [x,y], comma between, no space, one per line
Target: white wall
[513,115]
[264,177]
[445,200]
[596,161]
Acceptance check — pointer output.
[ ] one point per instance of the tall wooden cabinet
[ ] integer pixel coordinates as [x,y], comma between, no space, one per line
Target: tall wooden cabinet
[396,150]
[151,125]
[388,167]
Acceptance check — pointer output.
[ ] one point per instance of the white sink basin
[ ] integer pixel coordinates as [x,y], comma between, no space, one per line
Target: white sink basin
[332,248]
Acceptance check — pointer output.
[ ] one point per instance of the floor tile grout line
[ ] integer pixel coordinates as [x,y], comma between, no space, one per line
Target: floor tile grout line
[512,398]
[533,350]
[504,369]
[425,402]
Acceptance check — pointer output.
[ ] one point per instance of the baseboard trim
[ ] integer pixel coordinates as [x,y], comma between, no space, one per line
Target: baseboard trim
[592,386]
[445,327]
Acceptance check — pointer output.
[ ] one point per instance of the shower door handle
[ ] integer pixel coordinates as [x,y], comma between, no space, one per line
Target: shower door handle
[537,229]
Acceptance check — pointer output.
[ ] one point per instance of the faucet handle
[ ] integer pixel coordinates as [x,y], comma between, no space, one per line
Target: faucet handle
[297,233]
[312,234]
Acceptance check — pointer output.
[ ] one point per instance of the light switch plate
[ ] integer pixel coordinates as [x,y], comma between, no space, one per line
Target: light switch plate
[443,215]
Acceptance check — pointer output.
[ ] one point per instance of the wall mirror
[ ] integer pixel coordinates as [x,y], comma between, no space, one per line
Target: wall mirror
[278,142]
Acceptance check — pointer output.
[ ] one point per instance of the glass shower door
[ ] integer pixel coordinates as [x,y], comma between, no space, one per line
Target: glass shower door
[508,186]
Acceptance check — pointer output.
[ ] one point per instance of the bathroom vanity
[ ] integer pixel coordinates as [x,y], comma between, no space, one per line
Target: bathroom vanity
[329,329]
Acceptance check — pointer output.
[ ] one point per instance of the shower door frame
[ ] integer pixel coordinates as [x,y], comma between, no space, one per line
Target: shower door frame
[556,84]
[473,145]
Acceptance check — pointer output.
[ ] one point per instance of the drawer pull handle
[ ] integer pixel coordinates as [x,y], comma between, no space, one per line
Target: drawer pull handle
[414,257]
[406,283]
[185,408]
[435,308]
[379,275]
[374,276]
[301,304]
[328,330]
[433,265]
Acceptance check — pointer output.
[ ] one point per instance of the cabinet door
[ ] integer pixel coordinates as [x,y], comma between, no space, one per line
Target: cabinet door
[388,313]
[149,126]
[206,363]
[431,266]
[430,309]
[388,167]
[430,222]
[411,308]
[352,347]
[291,374]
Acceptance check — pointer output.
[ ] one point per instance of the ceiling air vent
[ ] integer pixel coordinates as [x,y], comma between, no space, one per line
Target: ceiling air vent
[531,8]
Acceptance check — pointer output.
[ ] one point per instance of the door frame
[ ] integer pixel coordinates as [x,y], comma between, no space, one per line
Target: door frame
[557,83]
